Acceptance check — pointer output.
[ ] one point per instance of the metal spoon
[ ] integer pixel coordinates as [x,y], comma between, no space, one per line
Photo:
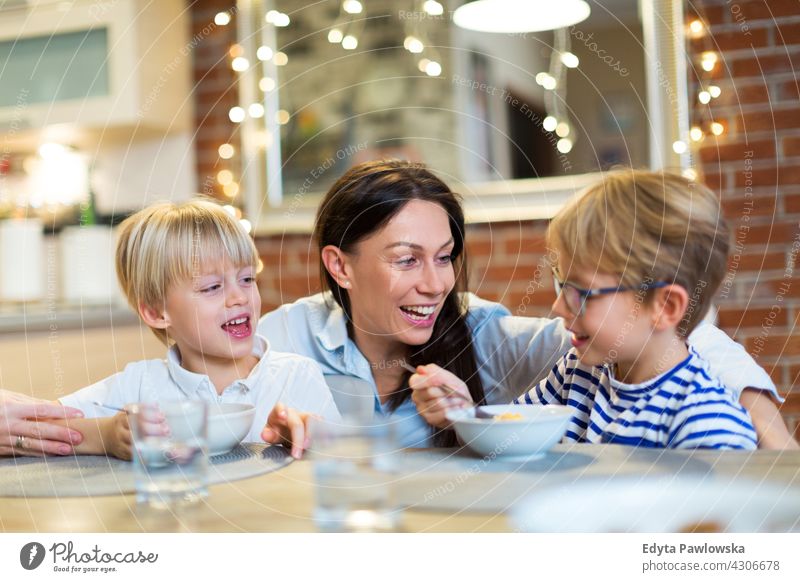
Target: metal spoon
[447,389]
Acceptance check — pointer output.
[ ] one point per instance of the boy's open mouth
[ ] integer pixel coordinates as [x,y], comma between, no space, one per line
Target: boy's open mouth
[238,327]
[579,339]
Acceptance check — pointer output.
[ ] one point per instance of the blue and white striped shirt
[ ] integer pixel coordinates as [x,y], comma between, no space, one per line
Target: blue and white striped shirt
[684,408]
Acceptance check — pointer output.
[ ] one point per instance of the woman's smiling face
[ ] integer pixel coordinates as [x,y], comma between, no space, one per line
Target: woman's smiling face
[400,276]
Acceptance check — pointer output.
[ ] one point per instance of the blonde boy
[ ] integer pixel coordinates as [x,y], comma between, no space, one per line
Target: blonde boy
[640,256]
[189,271]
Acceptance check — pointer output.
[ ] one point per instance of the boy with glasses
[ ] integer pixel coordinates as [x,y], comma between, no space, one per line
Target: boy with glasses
[640,256]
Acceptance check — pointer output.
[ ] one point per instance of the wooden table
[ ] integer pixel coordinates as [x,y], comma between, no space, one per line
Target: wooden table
[282,501]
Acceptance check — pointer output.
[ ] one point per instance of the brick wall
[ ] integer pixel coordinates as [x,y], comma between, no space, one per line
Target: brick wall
[755,166]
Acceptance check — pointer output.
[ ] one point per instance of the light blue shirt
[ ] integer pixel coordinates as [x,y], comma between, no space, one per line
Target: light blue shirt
[513,353]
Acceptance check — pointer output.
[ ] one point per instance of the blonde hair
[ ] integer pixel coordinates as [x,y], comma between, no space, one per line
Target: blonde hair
[646,227]
[168,243]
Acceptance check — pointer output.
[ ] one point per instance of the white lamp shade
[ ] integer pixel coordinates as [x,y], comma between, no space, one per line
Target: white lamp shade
[515,16]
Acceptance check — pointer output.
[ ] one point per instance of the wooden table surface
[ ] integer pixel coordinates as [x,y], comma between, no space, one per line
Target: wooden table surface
[282,501]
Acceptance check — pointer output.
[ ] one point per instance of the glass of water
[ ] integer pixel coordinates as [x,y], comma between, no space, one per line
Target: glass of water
[170,460]
[354,474]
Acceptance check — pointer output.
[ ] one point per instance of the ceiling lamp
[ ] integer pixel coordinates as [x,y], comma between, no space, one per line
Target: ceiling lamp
[512,16]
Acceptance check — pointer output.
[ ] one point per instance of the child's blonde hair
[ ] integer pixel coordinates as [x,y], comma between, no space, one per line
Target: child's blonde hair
[646,227]
[168,243]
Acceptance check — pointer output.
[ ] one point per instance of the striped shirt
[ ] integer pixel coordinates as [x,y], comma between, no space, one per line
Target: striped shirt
[684,408]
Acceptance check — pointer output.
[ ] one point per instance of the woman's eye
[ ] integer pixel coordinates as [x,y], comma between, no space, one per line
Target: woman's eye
[444,259]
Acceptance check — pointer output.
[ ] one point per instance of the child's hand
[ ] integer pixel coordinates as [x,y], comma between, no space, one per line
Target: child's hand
[431,400]
[287,426]
[116,434]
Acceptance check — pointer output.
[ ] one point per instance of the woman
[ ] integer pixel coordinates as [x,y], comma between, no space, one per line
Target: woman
[27,426]
[393,268]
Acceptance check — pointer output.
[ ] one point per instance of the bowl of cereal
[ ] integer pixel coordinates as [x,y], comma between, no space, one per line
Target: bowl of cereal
[228,424]
[511,431]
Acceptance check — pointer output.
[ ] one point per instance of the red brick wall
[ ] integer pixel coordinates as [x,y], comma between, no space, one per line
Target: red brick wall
[214,90]
[755,166]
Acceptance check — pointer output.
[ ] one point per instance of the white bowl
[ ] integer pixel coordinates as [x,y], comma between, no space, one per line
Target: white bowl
[664,503]
[228,424]
[540,428]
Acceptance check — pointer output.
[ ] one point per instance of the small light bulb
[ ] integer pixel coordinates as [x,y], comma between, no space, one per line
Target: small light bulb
[282,20]
[236,114]
[433,69]
[280,59]
[264,53]
[231,190]
[708,60]
[549,83]
[679,147]
[226,151]
[704,97]
[352,6]
[256,110]
[222,18]
[433,8]
[230,210]
[240,64]
[349,42]
[246,224]
[413,45]
[266,84]
[224,177]
[690,174]
[282,117]
[564,145]
[335,36]
[714,91]
[423,64]
[550,123]
[717,128]
[696,133]
[696,28]
[562,129]
[570,60]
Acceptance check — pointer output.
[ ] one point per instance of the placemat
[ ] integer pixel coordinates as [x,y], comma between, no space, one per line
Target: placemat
[88,475]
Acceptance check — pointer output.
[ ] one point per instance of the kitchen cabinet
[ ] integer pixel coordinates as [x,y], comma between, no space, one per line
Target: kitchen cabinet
[95,68]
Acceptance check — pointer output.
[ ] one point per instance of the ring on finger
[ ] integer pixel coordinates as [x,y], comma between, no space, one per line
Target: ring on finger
[20,442]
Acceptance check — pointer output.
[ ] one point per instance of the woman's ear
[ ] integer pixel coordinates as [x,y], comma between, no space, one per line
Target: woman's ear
[337,265]
[153,316]
[670,305]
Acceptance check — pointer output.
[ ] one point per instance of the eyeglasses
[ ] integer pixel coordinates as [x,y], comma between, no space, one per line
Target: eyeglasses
[575,298]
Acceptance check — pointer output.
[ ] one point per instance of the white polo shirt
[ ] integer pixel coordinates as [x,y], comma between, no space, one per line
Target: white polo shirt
[294,380]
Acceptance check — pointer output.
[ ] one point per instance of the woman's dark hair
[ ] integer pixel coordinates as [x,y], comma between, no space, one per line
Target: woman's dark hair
[362,202]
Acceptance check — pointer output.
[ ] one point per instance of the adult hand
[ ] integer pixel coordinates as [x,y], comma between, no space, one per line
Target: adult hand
[770,428]
[289,427]
[431,399]
[25,427]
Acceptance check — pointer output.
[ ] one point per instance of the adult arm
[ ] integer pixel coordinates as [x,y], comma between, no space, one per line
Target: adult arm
[739,372]
[35,420]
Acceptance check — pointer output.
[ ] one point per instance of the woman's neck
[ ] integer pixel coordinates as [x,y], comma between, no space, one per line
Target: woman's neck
[385,357]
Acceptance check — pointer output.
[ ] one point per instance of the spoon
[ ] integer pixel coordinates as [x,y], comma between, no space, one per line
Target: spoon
[447,389]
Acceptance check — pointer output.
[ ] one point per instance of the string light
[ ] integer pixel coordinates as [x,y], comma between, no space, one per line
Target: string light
[696,28]
[236,50]
[224,177]
[280,59]
[256,110]
[246,225]
[564,145]
[550,123]
[282,117]
[433,69]
[714,91]
[266,84]
[423,64]
[277,18]
[570,60]
[226,151]
[717,128]
[413,45]
[230,210]
[546,80]
[231,190]
[264,53]
[562,129]
[352,6]
[696,133]
[222,18]
[349,42]
[236,114]
[240,64]
[704,97]
[433,8]
[335,36]
[679,147]
[708,60]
